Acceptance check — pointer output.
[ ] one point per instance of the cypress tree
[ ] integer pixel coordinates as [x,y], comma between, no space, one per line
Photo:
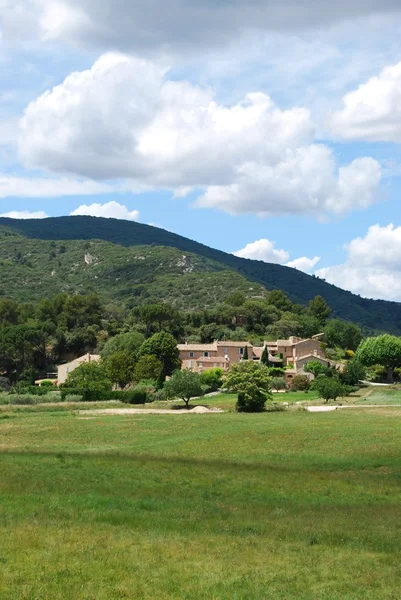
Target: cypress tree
[245,356]
[265,357]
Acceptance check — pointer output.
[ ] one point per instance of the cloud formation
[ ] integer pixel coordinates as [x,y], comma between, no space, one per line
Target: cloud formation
[25,214]
[124,119]
[111,210]
[304,263]
[372,112]
[42,187]
[266,251]
[373,265]
[187,25]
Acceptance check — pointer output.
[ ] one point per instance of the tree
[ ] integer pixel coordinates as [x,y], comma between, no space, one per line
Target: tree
[236,299]
[119,368]
[278,383]
[251,382]
[245,355]
[148,367]
[316,368]
[319,308]
[164,347]
[184,384]
[212,379]
[265,357]
[123,342]
[278,299]
[353,373]
[329,388]
[90,380]
[344,335]
[383,350]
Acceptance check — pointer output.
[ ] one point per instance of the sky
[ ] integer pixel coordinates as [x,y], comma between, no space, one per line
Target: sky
[269,130]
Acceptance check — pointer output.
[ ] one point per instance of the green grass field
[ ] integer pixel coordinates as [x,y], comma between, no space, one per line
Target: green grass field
[225,506]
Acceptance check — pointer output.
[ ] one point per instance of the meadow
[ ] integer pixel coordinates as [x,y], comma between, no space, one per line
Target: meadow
[211,507]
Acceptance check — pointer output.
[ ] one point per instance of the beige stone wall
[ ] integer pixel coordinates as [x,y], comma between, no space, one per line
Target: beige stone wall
[308,347]
[300,364]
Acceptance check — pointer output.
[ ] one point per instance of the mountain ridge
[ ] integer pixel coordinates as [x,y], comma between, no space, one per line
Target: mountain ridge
[379,315]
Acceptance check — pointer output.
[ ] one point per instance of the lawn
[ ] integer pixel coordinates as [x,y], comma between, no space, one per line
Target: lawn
[287,505]
[382,396]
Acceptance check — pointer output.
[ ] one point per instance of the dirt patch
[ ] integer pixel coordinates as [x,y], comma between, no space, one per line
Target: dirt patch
[151,411]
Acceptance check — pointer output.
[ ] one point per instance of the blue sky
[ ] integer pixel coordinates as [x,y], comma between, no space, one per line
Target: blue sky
[258,129]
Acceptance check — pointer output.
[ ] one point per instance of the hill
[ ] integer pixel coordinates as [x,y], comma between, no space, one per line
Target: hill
[212,272]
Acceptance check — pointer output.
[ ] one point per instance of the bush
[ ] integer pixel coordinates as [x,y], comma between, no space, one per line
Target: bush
[278,383]
[46,383]
[300,383]
[4,384]
[134,396]
[276,371]
[329,388]
[73,398]
[251,405]
[212,379]
[92,395]
[22,399]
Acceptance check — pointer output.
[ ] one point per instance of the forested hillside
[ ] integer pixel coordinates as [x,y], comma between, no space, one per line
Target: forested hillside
[212,269]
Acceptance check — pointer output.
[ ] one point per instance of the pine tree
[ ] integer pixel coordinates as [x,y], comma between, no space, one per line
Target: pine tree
[265,357]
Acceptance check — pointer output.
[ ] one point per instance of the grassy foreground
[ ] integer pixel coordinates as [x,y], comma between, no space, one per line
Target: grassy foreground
[286,505]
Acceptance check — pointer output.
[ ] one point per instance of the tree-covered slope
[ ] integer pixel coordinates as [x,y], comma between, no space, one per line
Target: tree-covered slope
[377,314]
[31,269]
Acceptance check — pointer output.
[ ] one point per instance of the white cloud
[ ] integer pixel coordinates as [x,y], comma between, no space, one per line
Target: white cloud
[187,24]
[123,119]
[373,265]
[372,112]
[266,251]
[25,214]
[304,263]
[112,210]
[36,187]
[263,250]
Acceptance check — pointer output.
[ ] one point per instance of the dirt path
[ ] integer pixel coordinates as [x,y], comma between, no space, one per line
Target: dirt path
[151,411]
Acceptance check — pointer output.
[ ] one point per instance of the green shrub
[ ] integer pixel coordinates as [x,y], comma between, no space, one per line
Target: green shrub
[300,383]
[23,400]
[134,396]
[73,398]
[278,383]
[252,404]
[276,371]
[212,379]
[329,388]
[46,383]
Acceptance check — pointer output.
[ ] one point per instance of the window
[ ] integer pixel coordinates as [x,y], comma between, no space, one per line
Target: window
[191,364]
[192,355]
[241,351]
[225,350]
[201,365]
[206,354]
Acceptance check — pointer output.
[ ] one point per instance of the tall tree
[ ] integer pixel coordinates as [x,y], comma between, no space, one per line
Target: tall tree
[319,308]
[344,335]
[265,357]
[164,347]
[383,350]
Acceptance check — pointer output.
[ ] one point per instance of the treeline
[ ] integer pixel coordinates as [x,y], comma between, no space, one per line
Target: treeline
[34,338]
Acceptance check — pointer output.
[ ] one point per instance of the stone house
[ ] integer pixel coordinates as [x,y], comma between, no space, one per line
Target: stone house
[64,370]
[293,353]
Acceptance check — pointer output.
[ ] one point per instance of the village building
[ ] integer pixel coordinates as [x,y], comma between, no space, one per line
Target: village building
[293,354]
[64,370]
